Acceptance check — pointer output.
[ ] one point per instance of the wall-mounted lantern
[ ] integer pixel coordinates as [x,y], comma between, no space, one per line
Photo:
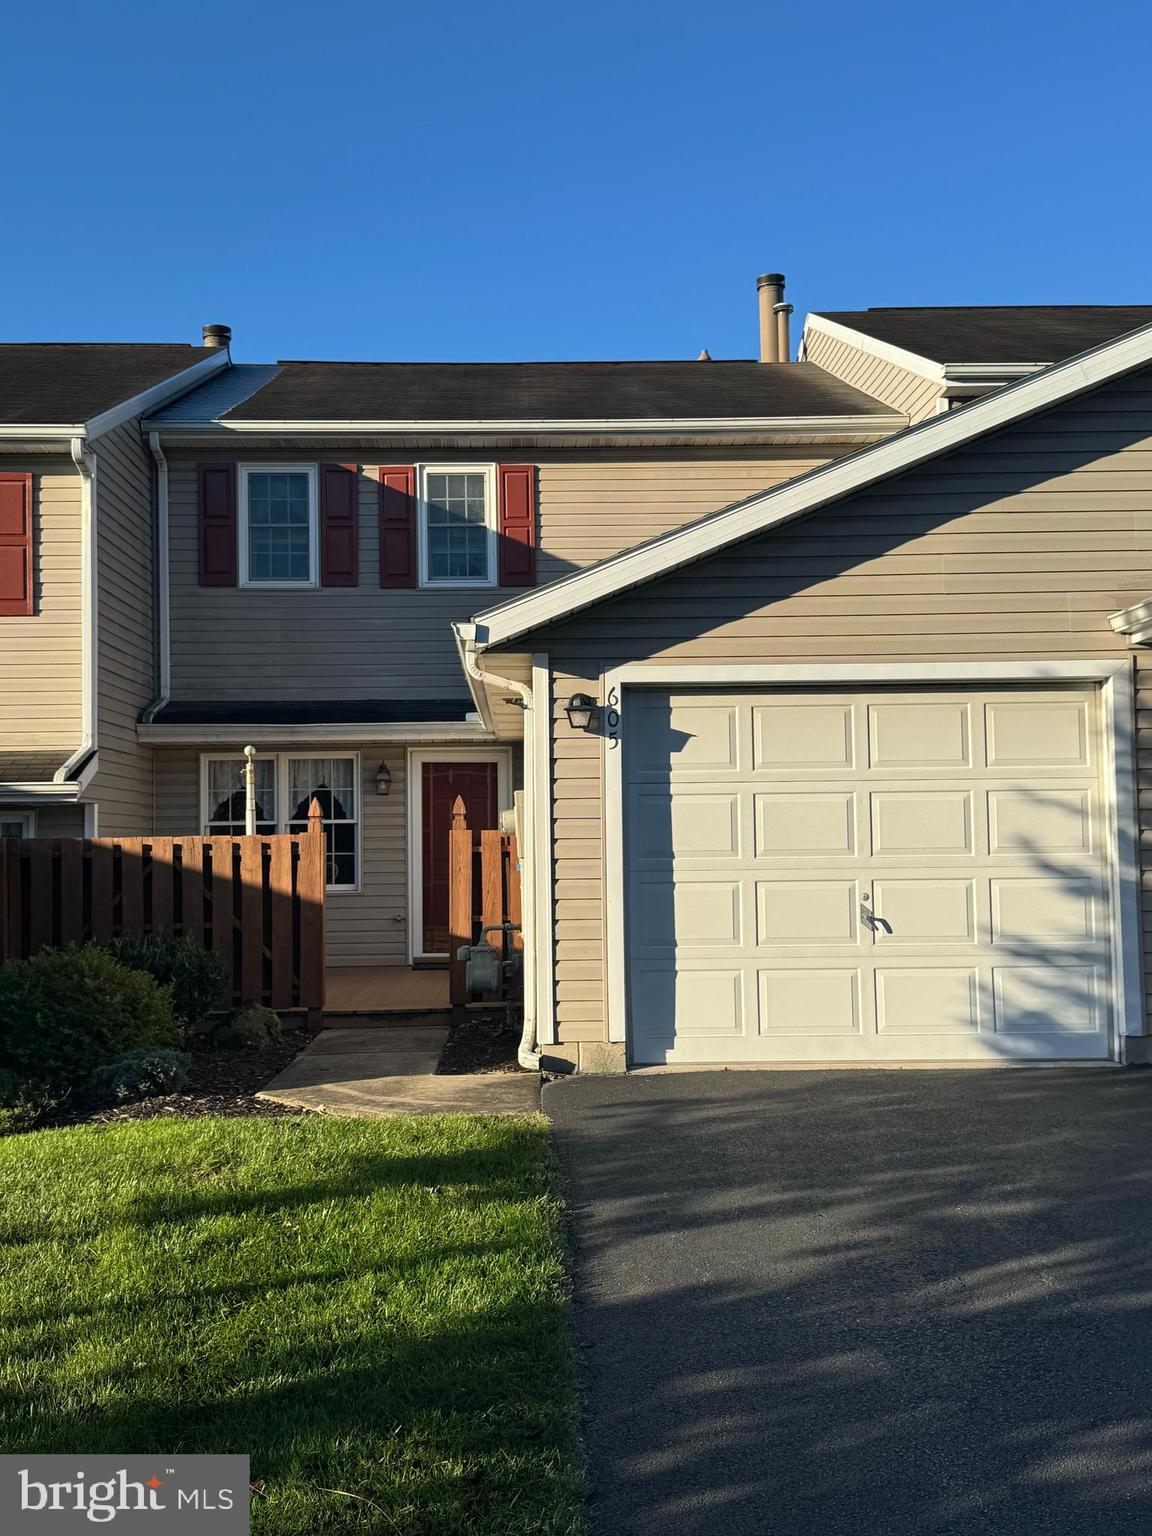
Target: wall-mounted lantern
[383,779]
[581,711]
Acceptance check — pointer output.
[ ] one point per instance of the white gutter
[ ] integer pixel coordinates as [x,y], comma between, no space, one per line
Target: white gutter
[527,1054]
[816,426]
[37,789]
[85,462]
[190,734]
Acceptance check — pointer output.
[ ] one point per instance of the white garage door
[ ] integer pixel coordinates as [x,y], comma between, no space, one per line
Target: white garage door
[890,876]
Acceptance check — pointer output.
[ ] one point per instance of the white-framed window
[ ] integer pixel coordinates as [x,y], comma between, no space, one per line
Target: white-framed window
[286,783]
[279,535]
[17,823]
[458,525]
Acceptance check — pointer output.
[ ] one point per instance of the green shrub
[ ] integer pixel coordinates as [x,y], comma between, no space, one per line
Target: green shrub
[249,1026]
[141,1074]
[67,1011]
[198,977]
[23,1103]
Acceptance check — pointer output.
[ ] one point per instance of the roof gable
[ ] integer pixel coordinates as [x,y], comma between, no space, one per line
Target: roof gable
[821,487]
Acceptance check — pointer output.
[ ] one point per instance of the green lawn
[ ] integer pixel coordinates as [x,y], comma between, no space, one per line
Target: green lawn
[374,1311]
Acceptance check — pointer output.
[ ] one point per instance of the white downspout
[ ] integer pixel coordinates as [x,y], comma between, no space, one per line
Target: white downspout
[85,462]
[527,1055]
[163,621]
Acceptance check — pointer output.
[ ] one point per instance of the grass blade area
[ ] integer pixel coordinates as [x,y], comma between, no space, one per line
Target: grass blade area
[374,1311]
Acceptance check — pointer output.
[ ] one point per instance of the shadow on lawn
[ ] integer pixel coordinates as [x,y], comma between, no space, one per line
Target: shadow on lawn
[856,1303]
[431,1379]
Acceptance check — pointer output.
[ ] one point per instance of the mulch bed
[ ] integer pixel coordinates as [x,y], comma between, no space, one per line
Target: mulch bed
[481,1042]
[220,1082]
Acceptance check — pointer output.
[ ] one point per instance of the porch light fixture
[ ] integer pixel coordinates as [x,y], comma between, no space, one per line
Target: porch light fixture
[581,711]
[383,779]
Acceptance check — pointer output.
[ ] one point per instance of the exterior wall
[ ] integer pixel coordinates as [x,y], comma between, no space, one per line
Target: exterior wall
[898,387]
[41,657]
[364,642]
[365,927]
[125,623]
[52,820]
[1015,548]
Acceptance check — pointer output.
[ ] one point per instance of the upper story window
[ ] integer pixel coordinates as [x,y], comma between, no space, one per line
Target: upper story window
[278,525]
[457,526]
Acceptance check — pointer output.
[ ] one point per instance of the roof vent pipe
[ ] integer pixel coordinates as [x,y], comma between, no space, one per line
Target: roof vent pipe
[216,336]
[783,345]
[770,292]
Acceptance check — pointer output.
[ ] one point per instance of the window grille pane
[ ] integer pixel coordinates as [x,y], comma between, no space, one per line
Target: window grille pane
[226,795]
[278,526]
[456,526]
[332,782]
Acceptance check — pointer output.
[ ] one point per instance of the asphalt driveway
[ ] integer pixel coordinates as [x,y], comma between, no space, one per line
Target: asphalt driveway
[866,1302]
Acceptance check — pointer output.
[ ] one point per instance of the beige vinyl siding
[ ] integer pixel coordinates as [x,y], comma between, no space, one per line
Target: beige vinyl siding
[366,642]
[126,645]
[898,387]
[365,927]
[51,820]
[41,656]
[1015,548]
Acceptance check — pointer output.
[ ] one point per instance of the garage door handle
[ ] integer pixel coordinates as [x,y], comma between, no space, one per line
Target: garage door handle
[870,920]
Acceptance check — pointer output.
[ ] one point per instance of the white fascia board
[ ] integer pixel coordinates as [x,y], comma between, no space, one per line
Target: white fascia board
[192,735]
[963,373]
[41,430]
[159,394]
[829,483]
[39,789]
[912,361]
[1135,622]
[817,426]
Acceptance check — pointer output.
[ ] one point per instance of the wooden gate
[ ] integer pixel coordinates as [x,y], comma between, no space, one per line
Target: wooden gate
[257,901]
[483,890]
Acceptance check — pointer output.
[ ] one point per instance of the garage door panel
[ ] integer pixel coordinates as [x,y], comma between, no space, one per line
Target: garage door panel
[1038,821]
[1048,1000]
[922,821]
[910,734]
[1042,734]
[926,1001]
[777,829]
[792,822]
[803,1002]
[807,911]
[1045,911]
[812,735]
[924,911]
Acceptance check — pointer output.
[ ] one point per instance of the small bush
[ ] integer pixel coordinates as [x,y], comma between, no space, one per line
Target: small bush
[198,977]
[65,1012]
[141,1074]
[23,1103]
[249,1026]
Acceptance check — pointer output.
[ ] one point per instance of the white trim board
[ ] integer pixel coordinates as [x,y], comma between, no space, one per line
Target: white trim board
[914,362]
[1119,783]
[770,509]
[193,735]
[414,779]
[817,427]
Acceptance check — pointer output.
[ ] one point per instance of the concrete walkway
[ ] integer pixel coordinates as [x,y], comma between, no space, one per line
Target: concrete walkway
[390,1069]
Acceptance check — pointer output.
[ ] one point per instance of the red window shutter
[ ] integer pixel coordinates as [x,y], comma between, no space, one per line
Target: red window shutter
[517,486]
[398,526]
[16,594]
[339,521]
[217,485]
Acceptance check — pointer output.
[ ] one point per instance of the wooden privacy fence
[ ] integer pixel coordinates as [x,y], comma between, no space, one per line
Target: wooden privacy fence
[257,901]
[483,889]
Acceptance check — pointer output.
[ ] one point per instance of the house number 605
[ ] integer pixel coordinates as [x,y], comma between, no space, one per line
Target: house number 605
[612,718]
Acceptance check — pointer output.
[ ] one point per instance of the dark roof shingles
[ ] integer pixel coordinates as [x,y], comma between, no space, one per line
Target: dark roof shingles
[30,767]
[66,383]
[304,391]
[1013,333]
[242,712]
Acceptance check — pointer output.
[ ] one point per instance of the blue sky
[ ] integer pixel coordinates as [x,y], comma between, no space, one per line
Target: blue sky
[560,181]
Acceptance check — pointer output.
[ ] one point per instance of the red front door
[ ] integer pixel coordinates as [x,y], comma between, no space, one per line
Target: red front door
[477,786]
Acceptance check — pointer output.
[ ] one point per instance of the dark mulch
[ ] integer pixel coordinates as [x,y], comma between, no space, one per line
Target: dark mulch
[481,1042]
[220,1082]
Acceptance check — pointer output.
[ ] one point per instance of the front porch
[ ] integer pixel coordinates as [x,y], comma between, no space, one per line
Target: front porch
[384,989]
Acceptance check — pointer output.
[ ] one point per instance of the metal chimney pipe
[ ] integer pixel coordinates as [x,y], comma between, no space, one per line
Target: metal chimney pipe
[783,345]
[216,336]
[770,292]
